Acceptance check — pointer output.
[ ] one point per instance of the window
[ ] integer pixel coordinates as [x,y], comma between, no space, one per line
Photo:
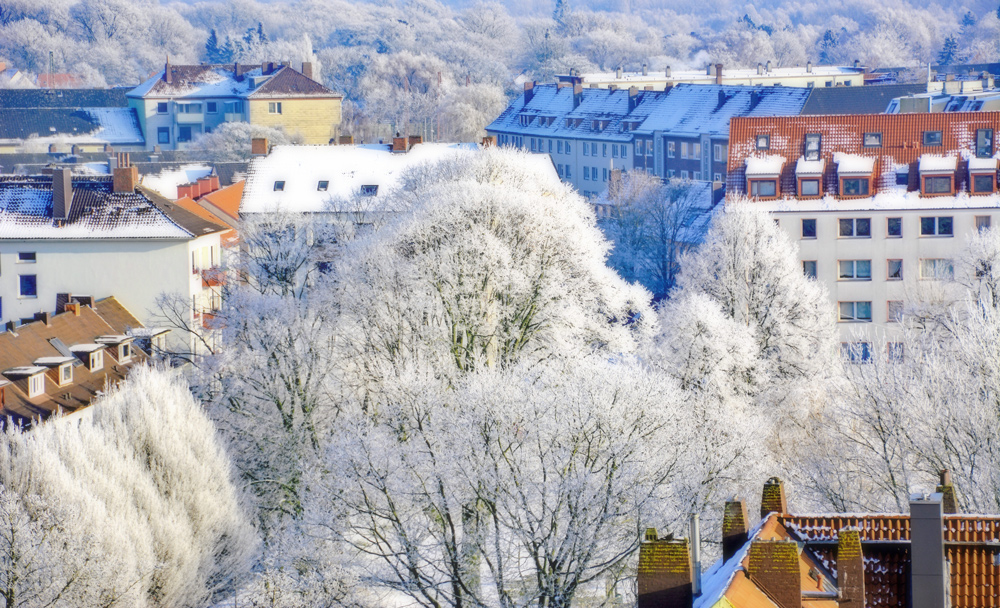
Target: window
[932,138]
[982,222]
[161,107]
[856,312]
[559,170]
[857,270]
[809,268]
[894,227]
[894,352]
[856,352]
[36,385]
[586,173]
[184,133]
[550,146]
[894,311]
[279,186]
[212,107]
[586,148]
[859,227]
[854,186]
[96,360]
[568,149]
[717,150]
[984,143]
[684,149]
[274,107]
[569,171]
[764,188]
[937,184]
[369,190]
[604,174]
[323,185]
[696,151]
[125,350]
[560,147]
[65,373]
[671,149]
[872,140]
[163,135]
[809,228]
[828,83]
[847,83]
[26,257]
[639,147]
[763,142]
[684,174]
[717,177]
[936,269]
[894,272]
[189,108]
[604,149]
[233,107]
[697,175]
[936,226]
[809,187]
[982,183]
[624,150]
[532,140]
[28,286]
[812,146]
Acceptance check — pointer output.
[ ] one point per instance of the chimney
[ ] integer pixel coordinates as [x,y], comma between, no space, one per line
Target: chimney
[664,576]
[399,144]
[949,502]
[185,190]
[213,183]
[44,317]
[633,98]
[668,72]
[809,67]
[258,146]
[767,66]
[760,69]
[263,68]
[645,69]
[11,326]
[125,179]
[489,142]
[850,569]
[722,100]
[168,75]
[62,193]
[718,73]
[529,91]
[204,185]
[414,140]
[773,565]
[773,498]
[735,528]
[648,87]
[857,64]
[307,69]
[754,99]
[618,72]
[72,306]
[53,149]
[928,586]
[76,149]
[577,95]
[285,63]
[346,140]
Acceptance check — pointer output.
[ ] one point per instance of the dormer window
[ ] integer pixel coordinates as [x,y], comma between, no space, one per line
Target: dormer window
[525,119]
[36,385]
[937,175]
[65,374]
[812,146]
[124,352]
[854,174]
[96,361]
[809,175]
[982,175]
[92,355]
[984,143]
[763,174]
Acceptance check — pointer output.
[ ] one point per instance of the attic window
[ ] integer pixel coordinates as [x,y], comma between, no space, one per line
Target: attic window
[36,385]
[873,140]
[96,360]
[279,186]
[932,138]
[65,373]
[812,146]
[371,190]
[984,143]
[124,352]
[763,142]
[526,119]
[322,185]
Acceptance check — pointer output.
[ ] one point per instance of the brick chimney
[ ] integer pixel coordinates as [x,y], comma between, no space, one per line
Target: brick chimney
[633,98]
[773,498]
[72,306]
[44,317]
[213,183]
[645,69]
[258,146]
[414,140]
[204,185]
[529,91]
[346,140]
[62,193]
[928,583]
[718,73]
[126,177]
[850,569]
[773,565]
[399,144]
[664,576]
[949,501]
[735,528]
[307,69]
[809,67]
[577,95]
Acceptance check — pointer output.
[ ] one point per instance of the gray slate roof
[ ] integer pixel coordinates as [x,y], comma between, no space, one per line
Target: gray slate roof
[873,99]
[116,126]
[63,98]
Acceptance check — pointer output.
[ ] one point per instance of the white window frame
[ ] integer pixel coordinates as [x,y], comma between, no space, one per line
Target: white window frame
[852,273]
[96,360]
[36,385]
[65,374]
[852,316]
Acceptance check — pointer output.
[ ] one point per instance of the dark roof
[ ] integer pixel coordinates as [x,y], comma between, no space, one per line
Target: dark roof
[286,82]
[63,98]
[873,99]
[182,217]
[108,125]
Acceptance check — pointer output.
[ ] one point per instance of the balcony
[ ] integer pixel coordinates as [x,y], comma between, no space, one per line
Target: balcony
[234,117]
[189,119]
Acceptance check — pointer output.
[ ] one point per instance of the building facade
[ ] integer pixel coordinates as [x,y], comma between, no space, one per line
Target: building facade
[880,205]
[184,101]
[765,75]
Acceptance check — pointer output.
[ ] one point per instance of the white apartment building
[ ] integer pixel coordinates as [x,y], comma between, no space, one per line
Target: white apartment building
[65,237]
[880,205]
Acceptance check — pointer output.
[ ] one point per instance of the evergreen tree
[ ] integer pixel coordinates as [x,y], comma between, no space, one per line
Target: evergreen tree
[562,11]
[947,54]
[212,51]
[826,47]
[261,36]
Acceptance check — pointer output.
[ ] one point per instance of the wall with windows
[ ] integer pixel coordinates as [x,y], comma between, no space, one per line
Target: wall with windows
[317,120]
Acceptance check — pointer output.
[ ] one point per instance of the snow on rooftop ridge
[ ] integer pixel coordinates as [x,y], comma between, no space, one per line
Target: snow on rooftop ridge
[683,75]
[25,370]
[938,162]
[56,360]
[891,199]
[810,167]
[716,580]
[767,165]
[982,164]
[854,163]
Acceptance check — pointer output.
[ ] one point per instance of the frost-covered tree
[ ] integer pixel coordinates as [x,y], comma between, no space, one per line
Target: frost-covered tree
[948,52]
[230,141]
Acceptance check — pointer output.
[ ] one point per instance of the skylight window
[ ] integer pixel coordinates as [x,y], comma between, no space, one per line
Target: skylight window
[279,186]
[370,190]
[323,185]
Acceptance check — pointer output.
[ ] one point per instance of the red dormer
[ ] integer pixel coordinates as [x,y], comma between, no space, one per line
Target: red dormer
[982,175]
[937,175]
[855,175]
[764,176]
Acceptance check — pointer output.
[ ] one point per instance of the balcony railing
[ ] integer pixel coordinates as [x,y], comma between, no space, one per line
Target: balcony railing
[189,119]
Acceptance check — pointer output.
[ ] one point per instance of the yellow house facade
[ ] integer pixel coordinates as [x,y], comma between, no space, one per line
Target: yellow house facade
[315,119]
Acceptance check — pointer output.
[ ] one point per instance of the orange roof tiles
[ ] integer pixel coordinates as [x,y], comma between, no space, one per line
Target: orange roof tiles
[225,202]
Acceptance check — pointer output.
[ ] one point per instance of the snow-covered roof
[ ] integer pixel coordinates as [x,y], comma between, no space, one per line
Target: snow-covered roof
[764,166]
[809,167]
[147,332]
[853,164]
[937,163]
[983,164]
[53,361]
[24,370]
[166,181]
[220,81]
[884,200]
[687,76]
[96,212]
[112,339]
[355,176]
[115,126]
[88,347]
[694,109]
